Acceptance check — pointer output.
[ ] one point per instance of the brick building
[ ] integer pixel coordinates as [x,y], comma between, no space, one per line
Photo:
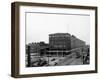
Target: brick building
[75,42]
[60,41]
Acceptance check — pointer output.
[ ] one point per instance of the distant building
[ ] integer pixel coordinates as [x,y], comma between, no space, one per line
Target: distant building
[75,42]
[36,47]
[43,45]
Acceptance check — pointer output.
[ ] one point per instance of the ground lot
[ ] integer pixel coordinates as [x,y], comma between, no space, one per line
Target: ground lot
[71,59]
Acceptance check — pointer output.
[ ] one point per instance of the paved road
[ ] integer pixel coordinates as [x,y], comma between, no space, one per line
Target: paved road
[72,61]
[76,62]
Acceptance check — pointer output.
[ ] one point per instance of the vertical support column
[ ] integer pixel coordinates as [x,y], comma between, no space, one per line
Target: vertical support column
[29,57]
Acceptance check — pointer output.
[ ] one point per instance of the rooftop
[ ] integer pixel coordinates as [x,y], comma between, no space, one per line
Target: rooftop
[60,34]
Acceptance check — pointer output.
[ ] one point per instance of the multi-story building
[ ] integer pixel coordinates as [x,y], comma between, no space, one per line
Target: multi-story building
[59,44]
[60,41]
[76,43]
[36,47]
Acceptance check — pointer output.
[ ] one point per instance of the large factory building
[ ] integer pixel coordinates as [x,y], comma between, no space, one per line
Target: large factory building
[61,43]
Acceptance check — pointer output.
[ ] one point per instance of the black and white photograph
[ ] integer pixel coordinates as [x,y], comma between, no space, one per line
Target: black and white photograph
[53,39]
[57,39]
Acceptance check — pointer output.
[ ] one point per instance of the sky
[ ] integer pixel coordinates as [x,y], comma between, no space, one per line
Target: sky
[40,25]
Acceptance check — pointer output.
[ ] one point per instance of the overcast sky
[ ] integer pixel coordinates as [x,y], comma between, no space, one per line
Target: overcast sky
[39,26]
